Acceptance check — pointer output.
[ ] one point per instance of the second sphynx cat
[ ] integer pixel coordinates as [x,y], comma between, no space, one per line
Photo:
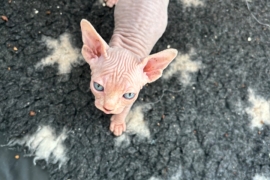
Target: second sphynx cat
[121,68]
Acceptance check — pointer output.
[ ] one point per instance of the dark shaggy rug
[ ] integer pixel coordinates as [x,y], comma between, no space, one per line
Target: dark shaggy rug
[211,113]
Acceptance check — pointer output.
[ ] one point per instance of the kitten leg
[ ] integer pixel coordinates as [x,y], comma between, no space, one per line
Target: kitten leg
[110,3]
[117,126]
[118,122]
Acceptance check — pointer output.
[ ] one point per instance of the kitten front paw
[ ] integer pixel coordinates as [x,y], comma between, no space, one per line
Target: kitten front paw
[118,125]
[110,3]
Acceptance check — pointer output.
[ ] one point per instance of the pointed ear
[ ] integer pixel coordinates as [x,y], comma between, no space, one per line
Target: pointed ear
[93,45]
[154,64]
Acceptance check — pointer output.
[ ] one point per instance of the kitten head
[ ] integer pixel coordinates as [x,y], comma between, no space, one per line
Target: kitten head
[117,75]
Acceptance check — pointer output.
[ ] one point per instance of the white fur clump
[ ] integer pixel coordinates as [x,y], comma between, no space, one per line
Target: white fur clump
[63,54]
[122,141]
[45,145]
[188,3]
[259,110]
[135,125]
[184,66]
[260,177]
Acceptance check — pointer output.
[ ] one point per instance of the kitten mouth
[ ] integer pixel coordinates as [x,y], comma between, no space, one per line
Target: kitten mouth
[107,111]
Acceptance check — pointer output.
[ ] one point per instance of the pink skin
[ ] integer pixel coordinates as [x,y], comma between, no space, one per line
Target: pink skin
[111,3]
[125,66]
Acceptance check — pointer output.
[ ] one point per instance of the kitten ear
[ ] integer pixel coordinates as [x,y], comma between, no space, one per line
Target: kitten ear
[154,64]
[93,45]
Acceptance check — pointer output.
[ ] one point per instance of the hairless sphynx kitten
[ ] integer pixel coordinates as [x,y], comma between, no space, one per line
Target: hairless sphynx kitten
[121,68]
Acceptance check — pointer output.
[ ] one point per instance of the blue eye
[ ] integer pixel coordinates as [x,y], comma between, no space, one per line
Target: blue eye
[98,87]
[129,95]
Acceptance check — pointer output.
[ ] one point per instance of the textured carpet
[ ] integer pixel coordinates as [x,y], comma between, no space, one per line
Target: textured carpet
[210,118]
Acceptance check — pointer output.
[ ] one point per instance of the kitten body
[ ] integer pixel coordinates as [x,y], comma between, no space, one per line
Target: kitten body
[121,68]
